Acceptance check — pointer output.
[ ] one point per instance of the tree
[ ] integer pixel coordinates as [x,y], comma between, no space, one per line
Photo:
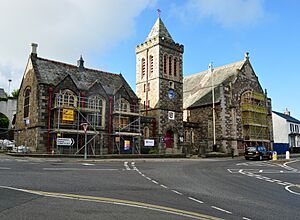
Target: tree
[4,121]
[15,93]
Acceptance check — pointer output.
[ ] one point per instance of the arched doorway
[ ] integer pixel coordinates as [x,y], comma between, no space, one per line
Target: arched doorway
[169,139]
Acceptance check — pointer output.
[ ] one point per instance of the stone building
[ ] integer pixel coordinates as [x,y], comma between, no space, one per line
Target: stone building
[65,108]
[242,113]
[159,86]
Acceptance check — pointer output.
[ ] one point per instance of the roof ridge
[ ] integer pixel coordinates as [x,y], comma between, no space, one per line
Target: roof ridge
[74,66]
[217,68]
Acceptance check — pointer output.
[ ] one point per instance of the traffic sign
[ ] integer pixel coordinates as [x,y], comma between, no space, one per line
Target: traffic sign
[65,141]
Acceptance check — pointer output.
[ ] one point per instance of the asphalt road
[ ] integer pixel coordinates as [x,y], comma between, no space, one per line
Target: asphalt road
[34,188]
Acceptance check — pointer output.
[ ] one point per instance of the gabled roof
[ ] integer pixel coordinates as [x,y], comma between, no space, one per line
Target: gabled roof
[53,72]
[159,29]
[197,88]
[287,117]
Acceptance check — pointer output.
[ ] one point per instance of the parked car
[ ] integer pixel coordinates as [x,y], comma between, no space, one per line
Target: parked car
[258,153]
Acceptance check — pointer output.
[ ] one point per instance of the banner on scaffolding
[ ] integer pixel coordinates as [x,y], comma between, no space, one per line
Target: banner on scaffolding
[126,145]
[149,143]
[68,114]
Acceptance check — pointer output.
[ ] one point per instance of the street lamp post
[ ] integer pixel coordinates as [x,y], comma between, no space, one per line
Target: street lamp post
[210,67]
[9,81]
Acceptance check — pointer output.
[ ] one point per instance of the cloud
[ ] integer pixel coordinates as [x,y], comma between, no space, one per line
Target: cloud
[228,13]
[64,29]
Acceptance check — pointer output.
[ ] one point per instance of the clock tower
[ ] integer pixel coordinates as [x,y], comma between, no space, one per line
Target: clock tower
[159,85]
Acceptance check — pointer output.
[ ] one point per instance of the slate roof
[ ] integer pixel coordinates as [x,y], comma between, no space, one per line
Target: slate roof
[2,93]
[197,88]
[159,29]
[53,72]
[287,117]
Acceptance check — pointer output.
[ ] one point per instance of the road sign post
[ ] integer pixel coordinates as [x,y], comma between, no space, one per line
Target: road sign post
[85,126]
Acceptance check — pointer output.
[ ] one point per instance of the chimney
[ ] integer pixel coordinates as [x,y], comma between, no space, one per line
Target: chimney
[34,49]
[287,112]
[80,63]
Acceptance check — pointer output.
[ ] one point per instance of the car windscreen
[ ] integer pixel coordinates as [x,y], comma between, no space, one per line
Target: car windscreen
[251,149]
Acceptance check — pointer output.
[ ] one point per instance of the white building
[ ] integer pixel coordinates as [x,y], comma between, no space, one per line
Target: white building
[286,132]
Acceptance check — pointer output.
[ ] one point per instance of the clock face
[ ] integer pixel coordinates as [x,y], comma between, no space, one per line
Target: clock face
[171,93]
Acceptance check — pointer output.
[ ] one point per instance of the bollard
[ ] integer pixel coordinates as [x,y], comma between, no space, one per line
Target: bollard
[287,155]
[274,155]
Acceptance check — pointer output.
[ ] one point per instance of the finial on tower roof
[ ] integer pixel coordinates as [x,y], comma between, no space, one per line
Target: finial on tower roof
[158,12]
[247,55]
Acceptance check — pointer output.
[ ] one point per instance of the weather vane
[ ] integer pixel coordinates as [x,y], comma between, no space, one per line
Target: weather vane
[158,12]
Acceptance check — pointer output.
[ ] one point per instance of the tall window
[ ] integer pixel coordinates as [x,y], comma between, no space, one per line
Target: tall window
[151,65]
[175,66]
[97,106]
[26,102]
[143,70]
[165,64]
[123,105]
[170,65]
[66,98]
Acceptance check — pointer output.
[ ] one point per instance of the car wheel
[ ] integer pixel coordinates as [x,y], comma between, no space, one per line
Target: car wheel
[247,158]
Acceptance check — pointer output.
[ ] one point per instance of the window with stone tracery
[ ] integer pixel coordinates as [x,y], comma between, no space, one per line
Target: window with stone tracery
[26,102]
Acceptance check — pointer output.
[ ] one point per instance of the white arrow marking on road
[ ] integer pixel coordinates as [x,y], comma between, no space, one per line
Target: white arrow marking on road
[126,165]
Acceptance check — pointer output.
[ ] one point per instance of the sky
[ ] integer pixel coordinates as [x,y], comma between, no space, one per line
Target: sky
[105,33]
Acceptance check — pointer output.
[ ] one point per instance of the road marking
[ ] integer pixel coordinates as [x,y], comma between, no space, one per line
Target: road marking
[222,210]
[291,191]
[196,200]
[4,168]
[126,165]
[76,169]
[179,193]
[128,203]
[153,181]
[148,178]
[163,186]
[88,164]
[246,218]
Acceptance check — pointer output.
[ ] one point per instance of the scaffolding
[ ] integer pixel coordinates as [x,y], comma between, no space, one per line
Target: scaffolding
[69,112]
[126,126]
[255,118]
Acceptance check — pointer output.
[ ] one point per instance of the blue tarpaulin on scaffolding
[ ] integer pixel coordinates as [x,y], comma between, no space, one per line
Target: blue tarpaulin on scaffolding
[280,148]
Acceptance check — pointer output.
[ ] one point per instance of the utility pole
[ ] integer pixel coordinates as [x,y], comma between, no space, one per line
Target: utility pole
[210,67]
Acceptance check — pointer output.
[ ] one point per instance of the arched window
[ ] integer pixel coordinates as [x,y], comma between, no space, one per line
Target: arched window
[97,106]
[26,102]
[175,66]
[123,105]
[170,65]
[66,98]
[143,67]
[151,60]
[165,64]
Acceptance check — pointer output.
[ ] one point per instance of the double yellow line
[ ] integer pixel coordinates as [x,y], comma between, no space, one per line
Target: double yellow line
[164,209]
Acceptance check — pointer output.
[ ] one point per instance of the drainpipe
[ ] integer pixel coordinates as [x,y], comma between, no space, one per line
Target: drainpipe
[110,124]
[50,90]
[147,71]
